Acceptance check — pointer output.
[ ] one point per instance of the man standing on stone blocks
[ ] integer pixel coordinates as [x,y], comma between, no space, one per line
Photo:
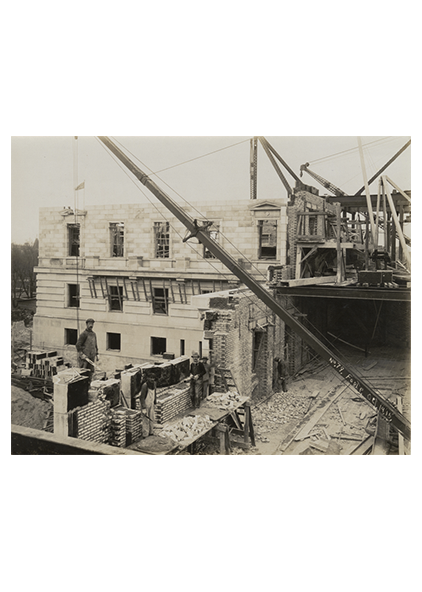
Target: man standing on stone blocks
[197,372]
[206,377]
[87,348]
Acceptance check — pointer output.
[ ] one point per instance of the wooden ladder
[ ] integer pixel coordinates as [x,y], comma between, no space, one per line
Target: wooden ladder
[227,378]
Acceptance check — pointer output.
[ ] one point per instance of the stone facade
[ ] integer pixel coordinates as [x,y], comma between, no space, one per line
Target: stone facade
[141,303]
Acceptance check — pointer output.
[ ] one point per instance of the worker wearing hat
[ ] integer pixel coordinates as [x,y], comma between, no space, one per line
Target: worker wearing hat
[87,348]
[197,371]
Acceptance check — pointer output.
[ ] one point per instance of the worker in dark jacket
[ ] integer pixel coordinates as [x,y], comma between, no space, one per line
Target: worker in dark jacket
[197,371]
[87,348]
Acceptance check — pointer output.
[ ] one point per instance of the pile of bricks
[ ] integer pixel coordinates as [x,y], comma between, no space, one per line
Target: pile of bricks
[126,427]
[171,402]
[43,364]
[133,426]
[91,422]
[118,428]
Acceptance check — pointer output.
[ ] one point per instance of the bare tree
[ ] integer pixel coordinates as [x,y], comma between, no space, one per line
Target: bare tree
[24,259]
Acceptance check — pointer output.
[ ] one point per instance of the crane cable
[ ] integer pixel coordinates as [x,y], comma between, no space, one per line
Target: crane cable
[264,311]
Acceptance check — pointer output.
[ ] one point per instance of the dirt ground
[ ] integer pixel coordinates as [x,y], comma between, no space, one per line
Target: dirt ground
[27,411]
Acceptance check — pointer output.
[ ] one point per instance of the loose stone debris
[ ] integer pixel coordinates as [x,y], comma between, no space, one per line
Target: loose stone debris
[229,400]
[187,428]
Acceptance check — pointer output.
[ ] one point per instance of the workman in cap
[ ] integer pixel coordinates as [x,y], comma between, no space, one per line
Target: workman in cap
[197,371]
[87,348]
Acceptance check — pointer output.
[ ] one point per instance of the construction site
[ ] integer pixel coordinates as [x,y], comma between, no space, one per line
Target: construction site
[297,306]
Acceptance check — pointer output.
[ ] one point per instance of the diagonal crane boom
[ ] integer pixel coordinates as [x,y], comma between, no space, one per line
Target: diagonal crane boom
[384,407]
[327,184]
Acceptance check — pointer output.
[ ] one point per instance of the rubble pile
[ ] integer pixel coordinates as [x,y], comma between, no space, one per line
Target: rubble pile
[229,400]
[187,428]
[281,409]
[27,411]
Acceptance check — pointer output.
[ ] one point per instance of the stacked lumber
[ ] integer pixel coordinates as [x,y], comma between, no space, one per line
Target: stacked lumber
[171,402]
[229,400]
[43,364]
[188,429]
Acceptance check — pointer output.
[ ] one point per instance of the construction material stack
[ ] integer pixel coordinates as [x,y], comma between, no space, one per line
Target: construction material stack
[43,364]
[172,401]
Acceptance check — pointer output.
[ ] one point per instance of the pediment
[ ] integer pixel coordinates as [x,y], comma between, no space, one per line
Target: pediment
[264,205]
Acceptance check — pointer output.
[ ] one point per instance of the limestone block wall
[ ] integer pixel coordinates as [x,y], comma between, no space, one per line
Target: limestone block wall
[238,225]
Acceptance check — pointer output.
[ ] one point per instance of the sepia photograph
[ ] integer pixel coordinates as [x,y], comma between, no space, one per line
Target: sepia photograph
[211,295]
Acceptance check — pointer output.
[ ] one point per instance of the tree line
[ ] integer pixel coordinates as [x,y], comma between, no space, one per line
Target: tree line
[24,259]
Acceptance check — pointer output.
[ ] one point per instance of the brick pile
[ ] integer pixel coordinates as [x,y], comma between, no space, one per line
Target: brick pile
[118,428]
[43,364]
[171,402]
[133,426]
[91,422]
[126,426]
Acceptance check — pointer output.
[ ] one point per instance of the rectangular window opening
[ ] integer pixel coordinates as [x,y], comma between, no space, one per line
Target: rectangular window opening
[160,300]
[115,297]
[117,235]
[158,346]
[162,240]
[73,235]
[113,341]
[267,248]
[182,347]
[70,336]
[73,295]
[214,232]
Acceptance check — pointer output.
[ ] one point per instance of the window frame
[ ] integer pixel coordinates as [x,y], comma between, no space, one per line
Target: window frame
[158,236]
[70,297]
[108,347]
[67,341]
[160,302]
[261,234]
[117,239]
[72,241]
[214,229]
[164,339]
[115,294]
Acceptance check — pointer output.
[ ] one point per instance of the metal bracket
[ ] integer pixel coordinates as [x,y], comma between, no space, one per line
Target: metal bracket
[204,226]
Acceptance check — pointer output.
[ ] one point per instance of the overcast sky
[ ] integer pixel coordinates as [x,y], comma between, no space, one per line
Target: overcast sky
[43,170]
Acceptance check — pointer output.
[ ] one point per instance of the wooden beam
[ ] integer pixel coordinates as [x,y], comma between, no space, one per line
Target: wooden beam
[397,188]
[363,447]
[329,279]
[401,439]
[304,432]
[368,195]
[397,224]
[338,245]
